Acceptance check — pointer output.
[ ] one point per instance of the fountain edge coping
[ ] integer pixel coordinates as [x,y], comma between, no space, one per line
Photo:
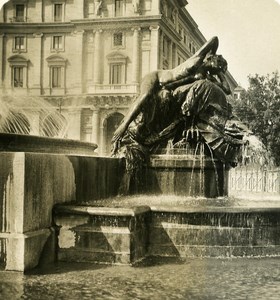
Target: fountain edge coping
[104,211]
[133,211]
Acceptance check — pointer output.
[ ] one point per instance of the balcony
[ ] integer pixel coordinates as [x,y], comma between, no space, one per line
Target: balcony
[114,89]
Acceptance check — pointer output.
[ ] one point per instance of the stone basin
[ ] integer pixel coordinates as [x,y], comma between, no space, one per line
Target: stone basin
[130,229]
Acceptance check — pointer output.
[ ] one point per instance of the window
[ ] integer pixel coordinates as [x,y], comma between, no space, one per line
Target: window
[165,47]
[118,39]
[58,12]
[118,8]
[57,69]
[179,60]
[193,50]
[180,30]
[116,74]
[173,17]
[147,5]
[19,43]
[19,13]
[19,67]
[56,77]
[117,64]
[18,77]
[57,43]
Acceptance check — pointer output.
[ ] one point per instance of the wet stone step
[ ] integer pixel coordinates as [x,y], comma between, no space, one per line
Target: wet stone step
[117,235]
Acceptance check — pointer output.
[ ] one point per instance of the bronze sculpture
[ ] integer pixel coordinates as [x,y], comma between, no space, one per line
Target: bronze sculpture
[186,105]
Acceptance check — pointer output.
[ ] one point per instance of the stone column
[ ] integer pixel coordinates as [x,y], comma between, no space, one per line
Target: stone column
[102,131]
[74,131]
[95,126]
[135,55]
[37,64]
[97,57]
[1,60]
[154,48]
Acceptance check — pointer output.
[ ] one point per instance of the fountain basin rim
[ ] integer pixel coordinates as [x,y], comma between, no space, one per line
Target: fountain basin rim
[10,142]
[104,211]
[133,211]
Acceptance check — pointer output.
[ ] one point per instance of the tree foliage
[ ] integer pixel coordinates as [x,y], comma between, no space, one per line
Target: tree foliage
[259,109]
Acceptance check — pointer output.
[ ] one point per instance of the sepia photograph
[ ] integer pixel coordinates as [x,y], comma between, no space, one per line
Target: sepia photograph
[139,149]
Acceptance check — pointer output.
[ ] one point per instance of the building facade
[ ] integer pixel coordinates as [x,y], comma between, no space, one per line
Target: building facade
[86,58]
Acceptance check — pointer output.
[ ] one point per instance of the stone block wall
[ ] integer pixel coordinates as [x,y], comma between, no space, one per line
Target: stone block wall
[31,184]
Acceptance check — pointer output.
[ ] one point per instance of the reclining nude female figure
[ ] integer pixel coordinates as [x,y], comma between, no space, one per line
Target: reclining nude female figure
[153,82]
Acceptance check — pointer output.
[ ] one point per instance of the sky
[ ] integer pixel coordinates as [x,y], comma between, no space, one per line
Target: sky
[248,32]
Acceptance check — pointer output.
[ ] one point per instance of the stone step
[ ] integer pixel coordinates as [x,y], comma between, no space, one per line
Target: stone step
[102,235]
[126,235]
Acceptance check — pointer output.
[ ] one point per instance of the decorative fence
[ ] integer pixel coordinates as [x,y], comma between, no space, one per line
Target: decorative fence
[243,179]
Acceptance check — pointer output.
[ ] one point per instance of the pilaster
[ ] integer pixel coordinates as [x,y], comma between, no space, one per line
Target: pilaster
[2,36]
[78,62]
[37,63]
[154,48]
[89,60]
[135,55]
[97,57]
[156,6]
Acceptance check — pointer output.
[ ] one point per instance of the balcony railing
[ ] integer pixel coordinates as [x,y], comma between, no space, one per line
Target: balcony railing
[114,88]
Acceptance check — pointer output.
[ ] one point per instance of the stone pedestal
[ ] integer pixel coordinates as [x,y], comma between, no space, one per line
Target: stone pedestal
[187,175]
[30,184]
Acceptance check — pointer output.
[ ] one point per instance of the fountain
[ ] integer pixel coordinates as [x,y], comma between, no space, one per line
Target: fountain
[179,141]
[164,193]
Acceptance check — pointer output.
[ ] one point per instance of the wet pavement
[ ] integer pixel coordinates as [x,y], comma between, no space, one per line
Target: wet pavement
[242,278]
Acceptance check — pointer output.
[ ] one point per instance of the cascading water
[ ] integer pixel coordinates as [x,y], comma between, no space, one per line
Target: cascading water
[20,115]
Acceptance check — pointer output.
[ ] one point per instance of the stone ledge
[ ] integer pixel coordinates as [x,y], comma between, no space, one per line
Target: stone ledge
[101,211]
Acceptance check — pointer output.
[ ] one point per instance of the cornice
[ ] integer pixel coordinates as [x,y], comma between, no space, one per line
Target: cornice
[35,26]
[122,20]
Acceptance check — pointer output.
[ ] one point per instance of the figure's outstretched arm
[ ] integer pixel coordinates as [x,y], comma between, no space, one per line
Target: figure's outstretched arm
[132,114]
[191,65]
[209,47]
